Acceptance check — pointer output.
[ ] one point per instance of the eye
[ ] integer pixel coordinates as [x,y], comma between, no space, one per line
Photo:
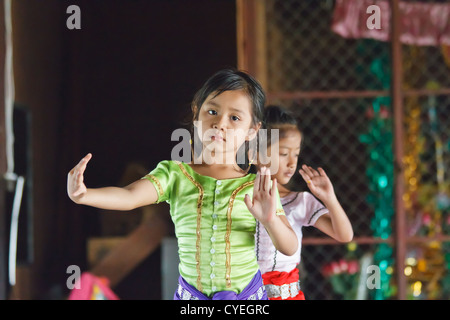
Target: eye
[283,154]
[235,118]
[212,112]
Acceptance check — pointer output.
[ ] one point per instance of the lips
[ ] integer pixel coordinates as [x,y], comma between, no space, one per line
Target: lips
[217,137]
[289,174]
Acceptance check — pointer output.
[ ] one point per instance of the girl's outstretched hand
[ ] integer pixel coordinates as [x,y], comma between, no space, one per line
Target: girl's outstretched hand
[264,203]
[76,188]
[318,182]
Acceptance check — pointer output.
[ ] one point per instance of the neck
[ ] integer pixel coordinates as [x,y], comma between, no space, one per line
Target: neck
[212,157]
[282,190]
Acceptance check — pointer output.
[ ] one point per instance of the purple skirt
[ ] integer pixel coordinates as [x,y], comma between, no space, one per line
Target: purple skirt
[253,291]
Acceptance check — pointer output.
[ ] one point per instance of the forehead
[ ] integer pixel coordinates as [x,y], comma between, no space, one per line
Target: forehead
[290,139]
[234,100]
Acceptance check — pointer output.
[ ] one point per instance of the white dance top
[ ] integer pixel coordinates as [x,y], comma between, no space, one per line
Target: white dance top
[302,209]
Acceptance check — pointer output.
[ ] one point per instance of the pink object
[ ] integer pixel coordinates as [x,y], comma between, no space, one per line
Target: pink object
[353,266]
[92,288]
[335,268]
[422,24]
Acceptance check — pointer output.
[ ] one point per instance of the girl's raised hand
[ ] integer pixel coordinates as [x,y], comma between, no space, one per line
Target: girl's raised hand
[318,182]
[264,203]
[76,188]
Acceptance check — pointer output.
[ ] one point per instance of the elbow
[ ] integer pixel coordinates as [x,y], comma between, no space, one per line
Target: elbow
[291,250]
[346,238]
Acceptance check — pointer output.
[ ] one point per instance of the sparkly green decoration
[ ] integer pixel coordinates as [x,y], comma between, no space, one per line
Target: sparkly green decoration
[380,166]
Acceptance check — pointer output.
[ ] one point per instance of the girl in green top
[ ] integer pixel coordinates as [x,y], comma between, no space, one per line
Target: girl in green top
[214,202]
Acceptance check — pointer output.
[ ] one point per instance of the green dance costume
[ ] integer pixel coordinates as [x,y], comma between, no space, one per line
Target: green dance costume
[214,227]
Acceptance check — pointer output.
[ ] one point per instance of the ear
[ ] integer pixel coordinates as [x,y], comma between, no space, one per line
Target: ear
[253,131]
[195,113]
[195,110]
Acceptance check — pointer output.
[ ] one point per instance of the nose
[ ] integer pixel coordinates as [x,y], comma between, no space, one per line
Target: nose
[220,123]
[292,162]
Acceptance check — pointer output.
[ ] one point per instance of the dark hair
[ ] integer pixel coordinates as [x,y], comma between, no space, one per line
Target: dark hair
[277,117]
[229,80]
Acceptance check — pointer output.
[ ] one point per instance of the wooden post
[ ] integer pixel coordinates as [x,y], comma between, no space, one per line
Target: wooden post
[251,38]
[397,102]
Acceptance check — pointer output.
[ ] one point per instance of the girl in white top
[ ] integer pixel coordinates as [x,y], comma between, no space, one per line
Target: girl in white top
[280,272]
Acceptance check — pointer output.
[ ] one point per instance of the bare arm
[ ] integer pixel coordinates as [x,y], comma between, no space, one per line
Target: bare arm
[136,194]
[282,235]
[263,207]
[336,224]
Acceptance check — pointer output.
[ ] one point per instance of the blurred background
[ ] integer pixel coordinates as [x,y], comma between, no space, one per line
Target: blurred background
[373,102]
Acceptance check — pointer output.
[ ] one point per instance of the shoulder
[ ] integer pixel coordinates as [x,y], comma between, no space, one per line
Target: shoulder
[293,204]
[314,208]
[310,200]
[250,176]
[295,198]
[168,164]
[300,205]
[309,197]
[165,168]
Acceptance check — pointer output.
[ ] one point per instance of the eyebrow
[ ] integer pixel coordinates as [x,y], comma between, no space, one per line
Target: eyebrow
[215,104]
[280,147]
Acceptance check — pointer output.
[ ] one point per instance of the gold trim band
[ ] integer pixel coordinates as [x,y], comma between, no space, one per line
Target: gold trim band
[155,180]
[228,232]
[199,222]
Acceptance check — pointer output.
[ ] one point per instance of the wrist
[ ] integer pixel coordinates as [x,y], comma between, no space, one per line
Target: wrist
[330,201]
[272,222]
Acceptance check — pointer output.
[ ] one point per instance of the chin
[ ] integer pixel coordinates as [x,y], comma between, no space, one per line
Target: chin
[282,180]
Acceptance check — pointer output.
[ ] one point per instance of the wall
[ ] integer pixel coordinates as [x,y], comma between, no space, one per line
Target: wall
[116,88]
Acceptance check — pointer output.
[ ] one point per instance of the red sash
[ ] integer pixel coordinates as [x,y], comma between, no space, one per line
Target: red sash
[278,279]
